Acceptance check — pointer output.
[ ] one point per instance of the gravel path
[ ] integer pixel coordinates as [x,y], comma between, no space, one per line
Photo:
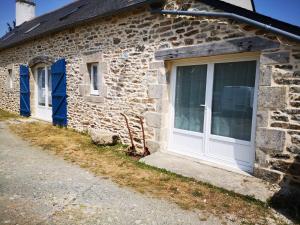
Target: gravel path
[37,187]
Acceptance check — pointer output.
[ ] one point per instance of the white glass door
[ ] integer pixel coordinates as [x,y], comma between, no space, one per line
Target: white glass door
[43,93]
[213,111]
[189,110]
[230,136]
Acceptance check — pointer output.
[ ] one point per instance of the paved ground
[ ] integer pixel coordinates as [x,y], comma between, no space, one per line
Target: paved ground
[39,188]
[241,183]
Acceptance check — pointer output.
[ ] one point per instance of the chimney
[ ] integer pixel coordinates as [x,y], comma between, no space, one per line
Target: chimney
[25,11]
[247,4]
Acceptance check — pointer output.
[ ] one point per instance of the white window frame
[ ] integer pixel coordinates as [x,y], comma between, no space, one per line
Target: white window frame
[210,62]
[10,78]
[91,70]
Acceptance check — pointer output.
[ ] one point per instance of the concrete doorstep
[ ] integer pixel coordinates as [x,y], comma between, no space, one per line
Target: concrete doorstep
[237,182]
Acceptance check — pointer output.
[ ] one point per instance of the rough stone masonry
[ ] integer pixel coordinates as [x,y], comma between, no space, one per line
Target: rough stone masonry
[137,83]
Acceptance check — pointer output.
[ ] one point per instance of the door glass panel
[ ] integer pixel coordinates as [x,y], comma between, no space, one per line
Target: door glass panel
[49,87]
[41,87]
[233,94]
[190,97]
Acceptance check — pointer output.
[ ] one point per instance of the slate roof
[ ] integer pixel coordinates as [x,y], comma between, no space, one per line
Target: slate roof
[82,11]
[72,14]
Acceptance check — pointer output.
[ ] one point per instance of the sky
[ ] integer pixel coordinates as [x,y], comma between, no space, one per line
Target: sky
[285,10]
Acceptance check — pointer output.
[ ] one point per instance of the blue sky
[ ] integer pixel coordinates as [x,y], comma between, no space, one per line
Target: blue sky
[286,10]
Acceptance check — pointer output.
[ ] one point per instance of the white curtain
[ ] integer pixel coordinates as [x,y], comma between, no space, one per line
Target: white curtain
[233,94]
[190,95]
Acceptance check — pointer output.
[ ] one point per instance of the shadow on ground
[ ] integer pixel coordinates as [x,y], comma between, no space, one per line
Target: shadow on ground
[287,199]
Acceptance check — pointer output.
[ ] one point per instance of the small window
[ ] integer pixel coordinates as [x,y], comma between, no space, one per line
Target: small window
[94,78]
[10,79]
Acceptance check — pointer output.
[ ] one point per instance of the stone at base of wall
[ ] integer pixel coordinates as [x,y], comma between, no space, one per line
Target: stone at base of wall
[153,146]
[267,174]
[102,137]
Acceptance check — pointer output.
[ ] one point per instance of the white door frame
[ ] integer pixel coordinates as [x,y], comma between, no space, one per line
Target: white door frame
[39,110]
[210,61]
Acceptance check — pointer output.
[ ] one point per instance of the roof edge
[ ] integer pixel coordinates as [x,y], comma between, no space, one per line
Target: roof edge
[78,23]
[253,15]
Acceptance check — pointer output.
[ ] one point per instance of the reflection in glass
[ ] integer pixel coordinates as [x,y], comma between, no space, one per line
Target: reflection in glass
[233,94]
[95,78]
[41,87]
[190,97]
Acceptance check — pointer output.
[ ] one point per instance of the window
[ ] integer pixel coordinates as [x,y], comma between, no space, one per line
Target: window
[94,78]
[10,79]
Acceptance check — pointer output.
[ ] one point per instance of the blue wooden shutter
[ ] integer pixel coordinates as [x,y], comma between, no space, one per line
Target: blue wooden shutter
[24,91]
[59,93]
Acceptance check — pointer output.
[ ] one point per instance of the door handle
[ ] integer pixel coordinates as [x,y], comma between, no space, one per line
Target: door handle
[205,106]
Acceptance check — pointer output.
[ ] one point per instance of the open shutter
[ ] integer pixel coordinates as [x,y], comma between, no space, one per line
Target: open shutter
[59,93]
[24,91]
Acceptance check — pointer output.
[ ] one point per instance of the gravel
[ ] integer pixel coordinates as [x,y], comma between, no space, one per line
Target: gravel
[37,187]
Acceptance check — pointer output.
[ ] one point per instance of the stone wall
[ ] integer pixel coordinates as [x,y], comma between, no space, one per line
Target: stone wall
[278,128]
[137,84]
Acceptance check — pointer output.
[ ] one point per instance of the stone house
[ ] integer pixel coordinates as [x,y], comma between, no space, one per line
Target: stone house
[214,80]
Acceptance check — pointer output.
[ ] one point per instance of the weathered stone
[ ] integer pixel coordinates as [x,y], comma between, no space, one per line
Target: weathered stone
[280,118]
[284,67]
[267,174]
[190,33]
[261,158]
[265,76]
[275,58]
[83,89]
[296,56]
[153,146]
[296,117]
[262,118]
[289,167]
[286,126]
[116,41]
[153,119]
[295,139]
[270,139]
[156,65]
[94,99]
[280,155]
[156,90]
[102,137]
[294,149]
[272,97]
